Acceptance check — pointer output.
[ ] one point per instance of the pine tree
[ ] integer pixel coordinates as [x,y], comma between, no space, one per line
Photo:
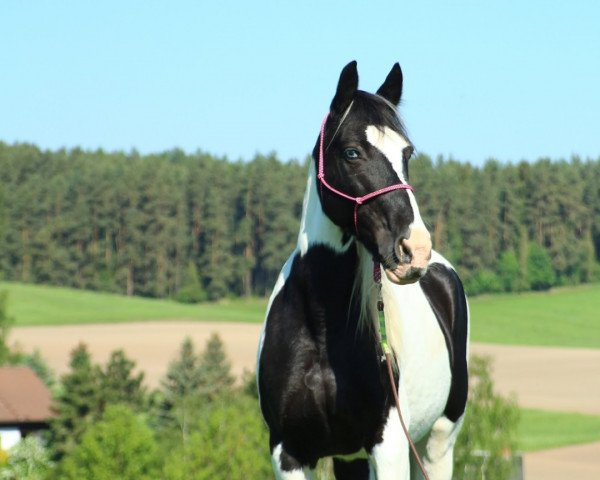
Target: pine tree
[214,448]
[539,268]
[508,271]
[214,369]
[119,385]
[6,323]
[191,290]
[79,403]
[180,389]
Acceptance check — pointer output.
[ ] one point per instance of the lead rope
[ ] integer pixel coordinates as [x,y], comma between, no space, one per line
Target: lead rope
[387,352]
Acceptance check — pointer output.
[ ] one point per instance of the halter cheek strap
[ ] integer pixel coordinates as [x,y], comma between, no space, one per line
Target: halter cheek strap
[358,201]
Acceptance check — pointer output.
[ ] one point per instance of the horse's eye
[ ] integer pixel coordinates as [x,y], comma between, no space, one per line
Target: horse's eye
[351,154]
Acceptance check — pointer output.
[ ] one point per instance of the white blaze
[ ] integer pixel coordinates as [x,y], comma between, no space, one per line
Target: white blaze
[391,144]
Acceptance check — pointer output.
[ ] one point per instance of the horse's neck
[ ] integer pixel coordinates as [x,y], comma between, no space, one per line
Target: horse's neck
[317,231]
[315,227]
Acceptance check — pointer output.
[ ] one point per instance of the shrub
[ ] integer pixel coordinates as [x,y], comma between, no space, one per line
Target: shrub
[487,442]
[27,460]
[539,268]
[191,291]
[483,281]
[119,446]
[229,441]
[509,272]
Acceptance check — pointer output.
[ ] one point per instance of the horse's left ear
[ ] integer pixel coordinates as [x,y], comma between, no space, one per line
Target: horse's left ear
[391,89]
[347,86]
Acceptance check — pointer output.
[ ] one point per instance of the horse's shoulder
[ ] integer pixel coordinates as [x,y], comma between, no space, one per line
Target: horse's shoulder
[445,293]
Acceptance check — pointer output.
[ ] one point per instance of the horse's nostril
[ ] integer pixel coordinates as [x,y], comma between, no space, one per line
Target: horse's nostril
[404,252]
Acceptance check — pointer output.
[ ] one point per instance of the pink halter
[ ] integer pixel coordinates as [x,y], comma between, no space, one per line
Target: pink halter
[357,200]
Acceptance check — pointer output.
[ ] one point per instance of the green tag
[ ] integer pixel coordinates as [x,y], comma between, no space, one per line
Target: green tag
[382,332]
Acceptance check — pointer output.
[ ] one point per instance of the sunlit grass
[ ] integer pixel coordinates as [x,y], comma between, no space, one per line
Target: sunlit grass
[567,317]
[563,317]
[45,305]
[541,430]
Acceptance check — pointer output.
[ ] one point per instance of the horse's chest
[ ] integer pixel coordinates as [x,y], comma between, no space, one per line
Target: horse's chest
[340,396]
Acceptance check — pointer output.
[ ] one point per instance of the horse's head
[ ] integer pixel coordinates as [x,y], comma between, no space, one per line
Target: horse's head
[362,150]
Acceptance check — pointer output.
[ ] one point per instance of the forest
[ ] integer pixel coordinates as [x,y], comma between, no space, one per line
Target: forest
[196,227]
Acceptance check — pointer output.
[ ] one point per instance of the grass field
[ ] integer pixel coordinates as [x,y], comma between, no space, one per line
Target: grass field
[45,305]
[541,430]
[565,317]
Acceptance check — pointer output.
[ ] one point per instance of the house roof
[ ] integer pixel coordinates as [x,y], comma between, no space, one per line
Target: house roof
[24,398]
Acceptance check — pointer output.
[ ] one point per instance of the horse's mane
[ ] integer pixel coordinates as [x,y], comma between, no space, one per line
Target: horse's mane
[378,111]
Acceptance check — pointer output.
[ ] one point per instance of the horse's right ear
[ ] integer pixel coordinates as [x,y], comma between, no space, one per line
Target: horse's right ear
[347,86]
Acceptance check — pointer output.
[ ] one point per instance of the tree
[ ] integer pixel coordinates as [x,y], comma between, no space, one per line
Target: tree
[119,446]
[217,262]
[482,281]
[79,403]
[214,370]
[6,323]
[191,291]
[487,440]
[118,384]
[509,272]
[27,460]
[181,387]
[539,268]
[214,449]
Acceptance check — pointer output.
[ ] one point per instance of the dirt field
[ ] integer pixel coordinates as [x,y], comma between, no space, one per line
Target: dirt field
[545,378]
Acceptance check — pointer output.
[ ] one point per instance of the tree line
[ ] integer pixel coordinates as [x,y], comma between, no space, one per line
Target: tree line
[196,227]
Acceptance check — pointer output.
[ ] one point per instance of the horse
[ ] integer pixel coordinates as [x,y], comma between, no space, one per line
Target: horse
[323,389]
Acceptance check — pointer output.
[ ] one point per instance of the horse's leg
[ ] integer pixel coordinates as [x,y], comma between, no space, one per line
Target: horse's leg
[437,449]
[287,467]
[351,469]
[390,457]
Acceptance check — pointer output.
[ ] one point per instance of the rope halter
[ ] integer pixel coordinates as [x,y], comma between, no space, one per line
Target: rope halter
[358,201]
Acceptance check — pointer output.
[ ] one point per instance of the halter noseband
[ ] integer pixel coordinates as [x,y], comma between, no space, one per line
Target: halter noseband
[358,201]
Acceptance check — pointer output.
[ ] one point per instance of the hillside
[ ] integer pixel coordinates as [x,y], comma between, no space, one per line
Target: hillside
[46,305]
[565,317]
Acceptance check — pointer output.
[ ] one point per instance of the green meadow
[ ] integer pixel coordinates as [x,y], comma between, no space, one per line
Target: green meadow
[566,317]
[563,317]
[541,430]
[46,305]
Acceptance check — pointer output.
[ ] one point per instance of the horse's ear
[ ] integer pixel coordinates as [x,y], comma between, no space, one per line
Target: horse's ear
[347,86]
[391,89]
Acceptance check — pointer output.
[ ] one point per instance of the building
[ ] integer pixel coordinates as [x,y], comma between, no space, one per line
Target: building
[25,404]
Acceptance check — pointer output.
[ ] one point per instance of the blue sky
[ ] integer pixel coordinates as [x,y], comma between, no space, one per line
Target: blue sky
[505,79]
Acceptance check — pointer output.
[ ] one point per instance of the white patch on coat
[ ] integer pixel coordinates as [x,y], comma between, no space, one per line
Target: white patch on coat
[315,227]
[436,257]
[418,343]
[439,448]
[391,457]
[391,144]
[298,474]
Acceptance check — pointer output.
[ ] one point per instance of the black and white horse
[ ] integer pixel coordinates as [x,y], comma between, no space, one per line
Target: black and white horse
[323,387]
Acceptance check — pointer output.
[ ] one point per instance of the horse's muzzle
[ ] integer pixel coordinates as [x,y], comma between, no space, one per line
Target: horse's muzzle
[413,254]
[404,275]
